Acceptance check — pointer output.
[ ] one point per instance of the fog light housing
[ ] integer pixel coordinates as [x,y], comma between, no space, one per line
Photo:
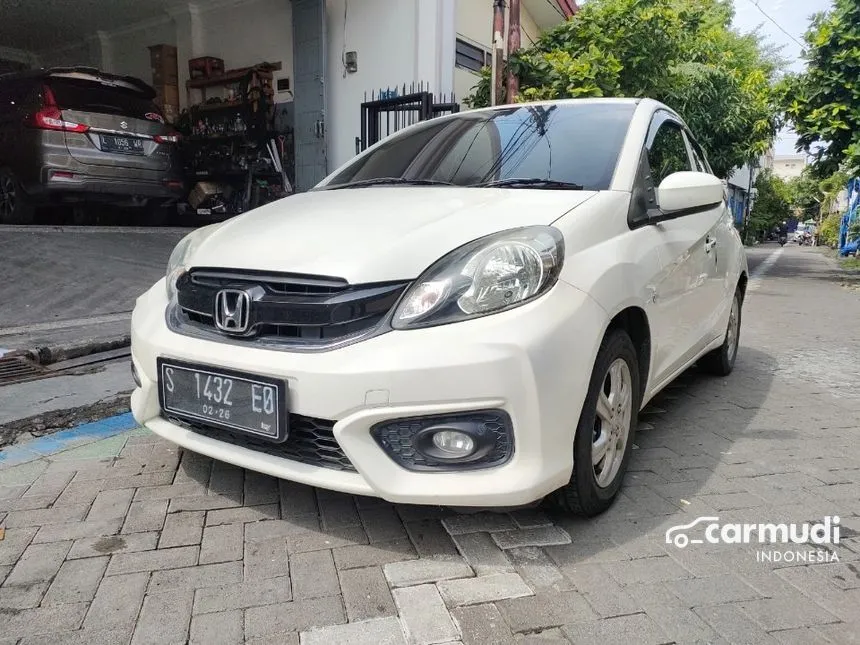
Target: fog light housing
[454,443]
[135,375]
[463,441]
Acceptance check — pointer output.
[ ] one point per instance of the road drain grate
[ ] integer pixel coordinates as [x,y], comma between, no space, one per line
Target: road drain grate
[17,369]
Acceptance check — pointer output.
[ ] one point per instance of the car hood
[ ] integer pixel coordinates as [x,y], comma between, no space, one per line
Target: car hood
[373,234]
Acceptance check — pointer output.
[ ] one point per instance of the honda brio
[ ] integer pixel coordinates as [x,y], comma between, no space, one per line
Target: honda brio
[472,312]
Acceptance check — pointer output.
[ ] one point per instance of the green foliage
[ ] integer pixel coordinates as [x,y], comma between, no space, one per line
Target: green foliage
[829,231]
[805,194]
[772,203]
[680,52]
[823,103]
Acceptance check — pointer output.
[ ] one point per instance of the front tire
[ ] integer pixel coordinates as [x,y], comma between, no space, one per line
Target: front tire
[721,361]
[606,429]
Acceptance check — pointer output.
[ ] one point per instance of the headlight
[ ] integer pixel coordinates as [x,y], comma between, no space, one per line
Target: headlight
[176,265]
[489,275]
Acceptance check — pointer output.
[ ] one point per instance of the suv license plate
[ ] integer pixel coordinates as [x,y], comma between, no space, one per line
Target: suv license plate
[233,401]
[122,145]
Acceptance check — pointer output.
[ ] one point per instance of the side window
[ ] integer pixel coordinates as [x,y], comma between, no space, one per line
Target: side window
[698,155]
[668,152]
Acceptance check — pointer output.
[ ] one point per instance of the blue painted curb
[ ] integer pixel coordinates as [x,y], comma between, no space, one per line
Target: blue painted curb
[65,439]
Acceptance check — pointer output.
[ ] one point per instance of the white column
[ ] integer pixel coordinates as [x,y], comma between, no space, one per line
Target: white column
[190,41]
[435,35]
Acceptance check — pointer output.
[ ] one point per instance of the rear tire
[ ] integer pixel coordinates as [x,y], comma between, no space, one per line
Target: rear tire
[721,361]
[15,208]
[608,423]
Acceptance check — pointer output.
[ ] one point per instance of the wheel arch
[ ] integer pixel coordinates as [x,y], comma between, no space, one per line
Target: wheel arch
[634,321]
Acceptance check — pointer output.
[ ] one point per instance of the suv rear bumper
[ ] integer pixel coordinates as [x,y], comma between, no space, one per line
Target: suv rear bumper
[63,184]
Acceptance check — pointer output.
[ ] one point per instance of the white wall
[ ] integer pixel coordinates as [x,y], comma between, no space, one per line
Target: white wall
[129,49]
[382,32]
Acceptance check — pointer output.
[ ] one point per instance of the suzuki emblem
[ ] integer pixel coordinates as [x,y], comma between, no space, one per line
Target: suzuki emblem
[232,310]
[123,125]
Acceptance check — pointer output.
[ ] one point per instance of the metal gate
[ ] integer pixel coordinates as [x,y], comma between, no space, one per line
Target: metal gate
[391,110]
[309,49]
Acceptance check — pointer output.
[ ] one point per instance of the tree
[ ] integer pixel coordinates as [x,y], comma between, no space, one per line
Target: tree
[681,52]
[823,102]
[772,204]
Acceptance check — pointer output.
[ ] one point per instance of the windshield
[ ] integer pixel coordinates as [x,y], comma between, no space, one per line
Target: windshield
[574,144]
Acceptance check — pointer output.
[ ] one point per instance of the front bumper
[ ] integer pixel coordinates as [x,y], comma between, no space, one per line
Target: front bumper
[534,362]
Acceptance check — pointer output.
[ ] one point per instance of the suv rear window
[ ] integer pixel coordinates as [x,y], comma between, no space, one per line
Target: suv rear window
[92,96]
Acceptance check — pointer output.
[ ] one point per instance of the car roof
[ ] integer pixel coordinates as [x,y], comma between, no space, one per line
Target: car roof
[641,103]
[129,82]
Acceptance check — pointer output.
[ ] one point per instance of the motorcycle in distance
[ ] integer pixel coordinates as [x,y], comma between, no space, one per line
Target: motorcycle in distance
[782,233]
[782,239]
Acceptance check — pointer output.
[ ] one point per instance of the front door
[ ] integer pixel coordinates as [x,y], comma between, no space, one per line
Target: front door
[681,297]
[309,63]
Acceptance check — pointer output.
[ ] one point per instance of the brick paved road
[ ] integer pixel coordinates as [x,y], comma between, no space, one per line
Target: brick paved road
[155,546]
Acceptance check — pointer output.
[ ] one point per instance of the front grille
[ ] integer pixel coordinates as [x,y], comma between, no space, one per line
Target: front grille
[287,307]
[310,441]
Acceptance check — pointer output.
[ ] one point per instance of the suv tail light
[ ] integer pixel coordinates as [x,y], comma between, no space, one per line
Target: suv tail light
[51,118]
[167,138]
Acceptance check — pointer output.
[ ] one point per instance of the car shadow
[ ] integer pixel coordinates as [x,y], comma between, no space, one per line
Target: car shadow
[684,434]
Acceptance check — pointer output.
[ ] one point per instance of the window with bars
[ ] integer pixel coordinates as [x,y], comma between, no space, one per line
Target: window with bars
[471,57]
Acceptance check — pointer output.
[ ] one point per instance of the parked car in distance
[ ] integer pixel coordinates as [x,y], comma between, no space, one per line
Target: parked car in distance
[472,312]
[80,135]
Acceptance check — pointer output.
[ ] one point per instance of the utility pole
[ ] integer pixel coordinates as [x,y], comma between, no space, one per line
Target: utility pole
[497,89]
[513,45]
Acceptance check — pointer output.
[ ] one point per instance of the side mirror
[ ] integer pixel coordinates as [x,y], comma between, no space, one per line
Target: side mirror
[682,192]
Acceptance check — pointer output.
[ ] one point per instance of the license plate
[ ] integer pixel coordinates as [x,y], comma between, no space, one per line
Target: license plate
[122,145]
[225,399]
[204,211]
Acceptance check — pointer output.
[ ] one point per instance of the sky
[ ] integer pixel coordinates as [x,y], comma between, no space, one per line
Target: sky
[793,17]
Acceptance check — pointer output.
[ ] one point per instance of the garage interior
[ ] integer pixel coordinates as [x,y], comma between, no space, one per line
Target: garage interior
[222,72]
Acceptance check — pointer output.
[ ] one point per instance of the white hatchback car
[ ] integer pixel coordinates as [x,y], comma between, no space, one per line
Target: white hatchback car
[470,313]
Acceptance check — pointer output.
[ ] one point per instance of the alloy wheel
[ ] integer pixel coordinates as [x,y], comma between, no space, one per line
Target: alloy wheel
[732,332]
[7,197]
[612,422]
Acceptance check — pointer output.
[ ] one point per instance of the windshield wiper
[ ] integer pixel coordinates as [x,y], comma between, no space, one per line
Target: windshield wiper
[390,181]
[531,182]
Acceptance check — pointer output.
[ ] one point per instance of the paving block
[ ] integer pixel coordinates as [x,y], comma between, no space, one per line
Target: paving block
[77,530]
[222,543]
[169,491]
[621,630]
[242,514]
[182,529]
[603,593]
[382,523]
[319,540]
[260,489]
[49,485]
[483,522]
[314,575]
[204,575]
[431,540]
[22,596]
[425,618]
[734,625]
[164,619]
[117,601]
[538,570]
[535,613]
[14,542]
[484,555]
[110,544]
[225,628]
[530,518]
[712,590]
[299,615]
[243,595]
[417,572]
[540,536]
[368,555]
[366,594]
[43,620]
[787,613]
[176,558]
[482,625]
[490,588]
[202,503]
[111,504]
[266,559]
[338,512]
[42,516]
[297,500]
[380,631]
[647,570]
[76,581]
[39,563]
[80,637]
[145,516]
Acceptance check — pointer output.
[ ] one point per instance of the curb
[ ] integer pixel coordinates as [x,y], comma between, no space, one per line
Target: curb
[48,354]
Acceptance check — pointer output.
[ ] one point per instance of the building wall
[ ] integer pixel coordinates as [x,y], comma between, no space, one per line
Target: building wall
[475,24]
[129,49]
[788,166]
[382,33]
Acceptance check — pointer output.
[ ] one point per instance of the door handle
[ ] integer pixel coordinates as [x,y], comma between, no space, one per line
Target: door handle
[710,243]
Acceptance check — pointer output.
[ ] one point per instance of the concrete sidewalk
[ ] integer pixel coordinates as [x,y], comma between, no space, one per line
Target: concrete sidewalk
[121,537]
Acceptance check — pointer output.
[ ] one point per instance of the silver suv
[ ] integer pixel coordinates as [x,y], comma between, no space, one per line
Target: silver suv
[81,135]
